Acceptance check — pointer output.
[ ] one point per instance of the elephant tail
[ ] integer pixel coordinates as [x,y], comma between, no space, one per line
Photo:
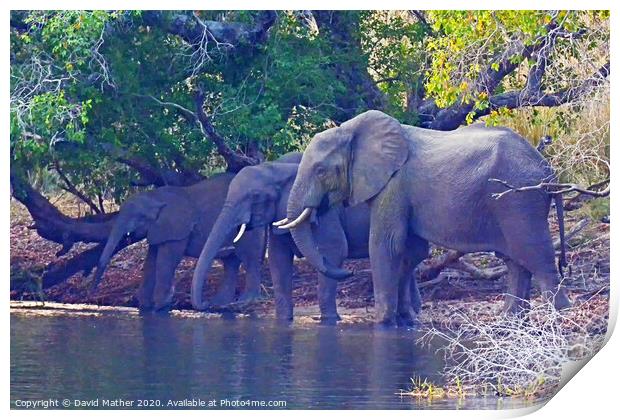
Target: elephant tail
[559,208]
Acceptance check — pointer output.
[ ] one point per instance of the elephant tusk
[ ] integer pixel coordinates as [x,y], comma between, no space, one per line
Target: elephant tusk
[240,234]
[281,222]
[302,217]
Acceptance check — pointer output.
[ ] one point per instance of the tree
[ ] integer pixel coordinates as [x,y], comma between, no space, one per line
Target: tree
[106,103]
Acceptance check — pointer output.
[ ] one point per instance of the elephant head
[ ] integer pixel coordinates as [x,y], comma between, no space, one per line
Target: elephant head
[349,164]
[161,215]
[257,195]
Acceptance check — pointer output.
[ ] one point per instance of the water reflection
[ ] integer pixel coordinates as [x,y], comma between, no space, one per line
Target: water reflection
[175,358]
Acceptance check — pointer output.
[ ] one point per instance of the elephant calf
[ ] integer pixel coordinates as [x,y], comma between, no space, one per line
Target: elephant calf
[257,197]
[176,222]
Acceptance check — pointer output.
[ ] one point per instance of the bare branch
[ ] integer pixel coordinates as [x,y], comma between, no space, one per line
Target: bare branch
[69,187]
[551,188]
[235,161]
[207,37]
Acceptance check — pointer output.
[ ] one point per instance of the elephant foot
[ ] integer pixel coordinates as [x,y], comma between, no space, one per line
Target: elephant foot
[249,297]
[284,319]
[561,300]
[284,313]
[222,298]
[386,322]
[158,313]
[514,305]
[162,307]
[145,309]
[407,319]
[329,319]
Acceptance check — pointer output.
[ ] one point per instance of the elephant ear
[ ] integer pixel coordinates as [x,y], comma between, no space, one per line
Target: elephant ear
[175,221]
[378,149]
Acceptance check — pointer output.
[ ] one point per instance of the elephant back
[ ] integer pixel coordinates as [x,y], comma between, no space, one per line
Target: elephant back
[207,199]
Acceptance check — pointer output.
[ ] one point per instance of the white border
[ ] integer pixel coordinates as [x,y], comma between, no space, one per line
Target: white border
[591,395]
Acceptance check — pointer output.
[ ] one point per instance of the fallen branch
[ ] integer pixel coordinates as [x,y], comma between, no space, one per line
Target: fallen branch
[430,269]
[435,281]
[59,271]
[578,227]
[480,273]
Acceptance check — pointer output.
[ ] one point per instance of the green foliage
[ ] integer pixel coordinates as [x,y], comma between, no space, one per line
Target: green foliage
[91,87]
[597,209]
[394,45]
[466,43]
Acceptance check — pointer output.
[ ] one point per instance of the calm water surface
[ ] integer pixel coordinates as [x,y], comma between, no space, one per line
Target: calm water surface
[170,358]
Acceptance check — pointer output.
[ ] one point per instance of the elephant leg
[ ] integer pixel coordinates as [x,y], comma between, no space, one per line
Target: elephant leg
[531,246]
[281,268]
[169,255]
[332,243]
[519,285]
[386,248]
[145,293]
[226,289]
[327,291]
[409,300]
[252,257]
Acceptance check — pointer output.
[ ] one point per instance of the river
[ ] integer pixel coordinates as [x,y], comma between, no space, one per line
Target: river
[174,362]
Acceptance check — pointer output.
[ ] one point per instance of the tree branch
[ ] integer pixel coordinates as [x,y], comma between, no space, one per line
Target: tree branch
[551,188]
[69,187]
[578,200]
[55,226]
[531,95]
[234,161]
[344,42]
[206,36]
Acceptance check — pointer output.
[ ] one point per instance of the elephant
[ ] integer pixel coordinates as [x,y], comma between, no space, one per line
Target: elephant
[176,222]
[431,186]
[258,196]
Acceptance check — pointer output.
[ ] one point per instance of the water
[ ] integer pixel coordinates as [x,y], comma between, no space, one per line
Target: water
[162,359]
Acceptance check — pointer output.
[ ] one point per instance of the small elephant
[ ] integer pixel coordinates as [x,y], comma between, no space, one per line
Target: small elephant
[176,222]
[431,186]
[257,197]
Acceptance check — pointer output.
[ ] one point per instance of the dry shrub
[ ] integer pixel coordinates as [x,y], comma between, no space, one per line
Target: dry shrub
[519,354]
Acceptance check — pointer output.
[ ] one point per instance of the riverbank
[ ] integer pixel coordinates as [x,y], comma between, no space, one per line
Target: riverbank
[587,278]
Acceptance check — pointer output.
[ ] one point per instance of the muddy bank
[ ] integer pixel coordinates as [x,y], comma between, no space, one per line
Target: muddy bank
[587,278]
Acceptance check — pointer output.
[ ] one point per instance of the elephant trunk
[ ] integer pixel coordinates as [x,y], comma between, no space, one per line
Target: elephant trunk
[222,228]
[116,235]
[305,241]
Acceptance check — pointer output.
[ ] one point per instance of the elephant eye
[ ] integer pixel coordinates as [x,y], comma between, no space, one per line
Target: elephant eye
[321,171]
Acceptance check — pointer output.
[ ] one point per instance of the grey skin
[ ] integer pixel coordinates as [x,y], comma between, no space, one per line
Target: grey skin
[176,222]
[432,186]
[257,197]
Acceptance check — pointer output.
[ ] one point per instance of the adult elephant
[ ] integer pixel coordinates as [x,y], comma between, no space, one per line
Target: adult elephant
[176,222]
[433,186]
[257,197]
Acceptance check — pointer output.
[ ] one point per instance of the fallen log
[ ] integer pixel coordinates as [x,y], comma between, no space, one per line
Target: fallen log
[51,224]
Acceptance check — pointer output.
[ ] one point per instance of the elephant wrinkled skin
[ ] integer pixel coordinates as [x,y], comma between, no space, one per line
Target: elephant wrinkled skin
[176,222]
[257,197]
[433,185]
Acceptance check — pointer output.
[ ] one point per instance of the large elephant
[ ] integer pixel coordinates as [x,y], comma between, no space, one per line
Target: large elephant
[257,197]
[432,186]
[176,221]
